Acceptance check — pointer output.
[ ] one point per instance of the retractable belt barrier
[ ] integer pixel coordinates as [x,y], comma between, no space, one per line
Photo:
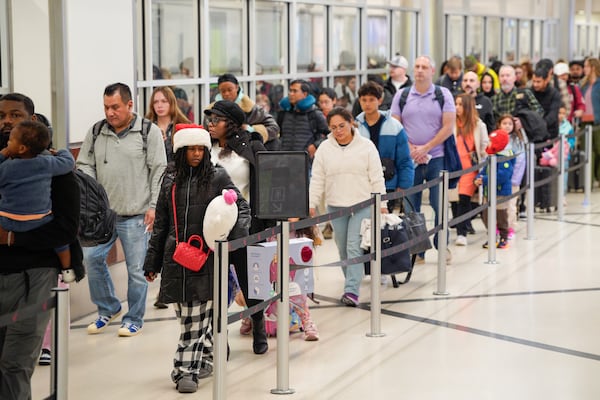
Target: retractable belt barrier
[374,256]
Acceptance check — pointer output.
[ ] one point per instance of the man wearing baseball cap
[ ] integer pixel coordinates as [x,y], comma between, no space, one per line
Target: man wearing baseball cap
[398,79]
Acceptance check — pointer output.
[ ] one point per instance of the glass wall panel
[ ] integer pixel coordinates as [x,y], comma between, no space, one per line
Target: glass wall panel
[510,40]
[378,46]
[404,41]
[271,27]
[187,96]
[346,89]
[310,38]
[524,40]
[174,45]
[269,94]
[344,38]
[475,37]
[536,53]
[550,47]
[455,36]
[592,39]
[226,37]
[580,38]
[493,39]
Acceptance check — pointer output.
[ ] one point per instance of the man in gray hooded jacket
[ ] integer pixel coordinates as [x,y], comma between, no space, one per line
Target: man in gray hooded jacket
[126,154]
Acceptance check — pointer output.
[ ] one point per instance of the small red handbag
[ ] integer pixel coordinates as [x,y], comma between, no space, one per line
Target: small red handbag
[186,254]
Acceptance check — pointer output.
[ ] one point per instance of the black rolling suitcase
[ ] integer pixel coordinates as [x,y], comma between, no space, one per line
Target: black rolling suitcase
[575,180]
[546,196]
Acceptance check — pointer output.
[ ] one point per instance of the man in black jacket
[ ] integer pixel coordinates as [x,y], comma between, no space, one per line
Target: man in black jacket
[549,99]
[29,267]
[470,84]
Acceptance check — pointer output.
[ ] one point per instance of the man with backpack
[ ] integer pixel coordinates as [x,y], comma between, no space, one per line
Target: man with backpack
[428,114]
[126,154]
[29,266]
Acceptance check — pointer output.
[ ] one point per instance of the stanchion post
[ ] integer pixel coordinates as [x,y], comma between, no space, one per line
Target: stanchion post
[283,312]
[376,268]
[561,182]
[442,235]
[587,170]
[531,190]
[493,204]
[59,375]
[220,273]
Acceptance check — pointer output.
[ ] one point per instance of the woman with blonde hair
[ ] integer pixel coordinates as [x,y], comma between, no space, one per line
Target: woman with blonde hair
[165,113]
[471,140]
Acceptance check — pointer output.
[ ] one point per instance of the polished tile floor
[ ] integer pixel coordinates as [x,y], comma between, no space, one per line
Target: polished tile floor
[527,327]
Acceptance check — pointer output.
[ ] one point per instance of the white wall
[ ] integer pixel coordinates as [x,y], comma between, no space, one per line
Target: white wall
[31,52]
[100,51]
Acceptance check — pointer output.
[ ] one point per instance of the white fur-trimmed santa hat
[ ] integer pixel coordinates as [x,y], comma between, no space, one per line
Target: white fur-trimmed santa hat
[190,135]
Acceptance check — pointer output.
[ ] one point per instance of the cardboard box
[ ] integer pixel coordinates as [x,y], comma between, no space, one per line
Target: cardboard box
[263,255]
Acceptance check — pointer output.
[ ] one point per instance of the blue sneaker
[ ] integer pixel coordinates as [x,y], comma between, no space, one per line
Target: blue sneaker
[101,323]
[129,329]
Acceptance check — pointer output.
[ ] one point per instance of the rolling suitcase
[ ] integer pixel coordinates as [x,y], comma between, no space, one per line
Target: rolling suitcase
[546,195]
[575,180]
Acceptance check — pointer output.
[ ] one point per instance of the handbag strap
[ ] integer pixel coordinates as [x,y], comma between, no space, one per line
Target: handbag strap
[467,146]
[174,214]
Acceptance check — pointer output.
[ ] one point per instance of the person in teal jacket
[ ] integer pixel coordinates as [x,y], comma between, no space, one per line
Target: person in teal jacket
[389,138]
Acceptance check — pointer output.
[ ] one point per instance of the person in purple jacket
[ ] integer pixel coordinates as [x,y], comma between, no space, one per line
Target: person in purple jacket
[25,178]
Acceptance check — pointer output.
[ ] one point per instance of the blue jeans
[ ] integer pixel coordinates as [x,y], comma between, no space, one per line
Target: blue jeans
[425,173]
[134,239]
[347,240]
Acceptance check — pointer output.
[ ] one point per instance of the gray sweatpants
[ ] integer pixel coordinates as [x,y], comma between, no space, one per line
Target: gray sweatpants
[20,341]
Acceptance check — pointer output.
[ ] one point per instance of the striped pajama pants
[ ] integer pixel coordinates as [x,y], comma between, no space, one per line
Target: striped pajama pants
[194,350]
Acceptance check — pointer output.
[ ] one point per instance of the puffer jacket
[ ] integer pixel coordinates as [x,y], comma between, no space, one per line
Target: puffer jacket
[179,284]
[301,125]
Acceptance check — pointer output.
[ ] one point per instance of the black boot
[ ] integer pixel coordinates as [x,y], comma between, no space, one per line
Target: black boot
[259,335]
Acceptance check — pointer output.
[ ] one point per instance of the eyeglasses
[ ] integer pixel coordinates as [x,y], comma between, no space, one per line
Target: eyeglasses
[214,120]
[334,128]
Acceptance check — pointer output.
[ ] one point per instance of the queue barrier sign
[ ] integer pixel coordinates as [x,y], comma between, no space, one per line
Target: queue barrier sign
[282,180]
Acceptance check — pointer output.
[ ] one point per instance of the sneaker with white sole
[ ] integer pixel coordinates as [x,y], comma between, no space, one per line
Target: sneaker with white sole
[101,323]
[461,240]
[45,357]
[128,329]
[349,299]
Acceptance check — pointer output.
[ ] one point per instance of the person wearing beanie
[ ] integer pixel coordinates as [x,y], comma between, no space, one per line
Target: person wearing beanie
[194,182]
[235,149]
[499,146]
[256,118]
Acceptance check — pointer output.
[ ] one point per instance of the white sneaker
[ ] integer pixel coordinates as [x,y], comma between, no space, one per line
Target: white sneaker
[383,279]
[461,240]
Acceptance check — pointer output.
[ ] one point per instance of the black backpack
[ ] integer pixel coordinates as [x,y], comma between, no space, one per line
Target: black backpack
[439,97]
[533,123]
[96,219]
